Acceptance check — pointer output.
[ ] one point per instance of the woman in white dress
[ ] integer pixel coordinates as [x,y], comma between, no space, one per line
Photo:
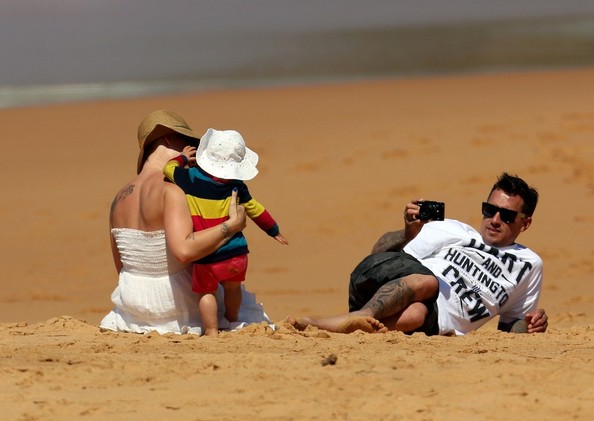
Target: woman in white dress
[153,242]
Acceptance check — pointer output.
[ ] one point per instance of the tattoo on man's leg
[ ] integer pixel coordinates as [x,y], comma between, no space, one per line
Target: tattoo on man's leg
[391,298]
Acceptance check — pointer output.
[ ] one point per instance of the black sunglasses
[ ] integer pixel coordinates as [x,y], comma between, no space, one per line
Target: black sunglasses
[507,215]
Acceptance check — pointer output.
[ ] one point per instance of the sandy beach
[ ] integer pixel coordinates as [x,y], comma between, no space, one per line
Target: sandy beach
[338,162]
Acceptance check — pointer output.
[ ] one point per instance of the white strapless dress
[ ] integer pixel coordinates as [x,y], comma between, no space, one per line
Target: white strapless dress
[154,292]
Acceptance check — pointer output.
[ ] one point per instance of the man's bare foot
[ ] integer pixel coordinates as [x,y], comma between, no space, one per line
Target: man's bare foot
[300,324]
[365,323]
[340,324]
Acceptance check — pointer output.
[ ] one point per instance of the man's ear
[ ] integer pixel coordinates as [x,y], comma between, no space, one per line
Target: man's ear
[526,223]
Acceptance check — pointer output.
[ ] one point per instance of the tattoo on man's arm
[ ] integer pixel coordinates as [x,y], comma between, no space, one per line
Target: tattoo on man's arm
[390,241]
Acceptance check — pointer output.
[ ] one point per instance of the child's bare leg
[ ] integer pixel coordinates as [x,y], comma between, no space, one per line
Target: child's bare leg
[207,306]
[233,296]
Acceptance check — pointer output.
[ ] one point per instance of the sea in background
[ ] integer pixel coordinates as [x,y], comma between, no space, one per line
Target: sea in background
[73,50]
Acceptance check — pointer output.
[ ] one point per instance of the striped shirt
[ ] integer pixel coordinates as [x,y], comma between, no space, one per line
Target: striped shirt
[209,198]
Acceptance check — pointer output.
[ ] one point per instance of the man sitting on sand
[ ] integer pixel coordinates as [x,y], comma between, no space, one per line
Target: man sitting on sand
[446,278]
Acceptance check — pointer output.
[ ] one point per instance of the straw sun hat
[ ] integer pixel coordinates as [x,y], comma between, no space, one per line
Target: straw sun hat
[157,124]
[223,153]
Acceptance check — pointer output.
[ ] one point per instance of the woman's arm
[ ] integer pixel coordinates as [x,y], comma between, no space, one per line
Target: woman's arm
[186,245]
[117,260]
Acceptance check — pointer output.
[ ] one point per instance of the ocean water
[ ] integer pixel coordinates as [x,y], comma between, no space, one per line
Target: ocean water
[71,50]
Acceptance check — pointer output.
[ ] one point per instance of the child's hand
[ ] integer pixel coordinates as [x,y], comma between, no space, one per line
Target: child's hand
[281,239]
[190,153]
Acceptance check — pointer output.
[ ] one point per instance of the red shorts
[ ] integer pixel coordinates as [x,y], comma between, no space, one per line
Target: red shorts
[206,277]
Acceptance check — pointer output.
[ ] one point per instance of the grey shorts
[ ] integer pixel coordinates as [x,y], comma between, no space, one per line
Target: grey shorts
[378,269]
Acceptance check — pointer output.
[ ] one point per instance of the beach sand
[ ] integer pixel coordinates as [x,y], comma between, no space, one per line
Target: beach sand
[338,162]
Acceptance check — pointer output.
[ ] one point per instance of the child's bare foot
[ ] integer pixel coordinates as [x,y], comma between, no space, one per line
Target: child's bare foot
[211,332]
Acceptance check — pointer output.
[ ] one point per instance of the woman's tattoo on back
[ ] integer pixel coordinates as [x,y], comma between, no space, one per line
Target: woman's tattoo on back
[122,194]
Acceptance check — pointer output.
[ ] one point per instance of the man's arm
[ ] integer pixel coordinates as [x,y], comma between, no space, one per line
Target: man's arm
[390,241]
[396,240]
[518,326]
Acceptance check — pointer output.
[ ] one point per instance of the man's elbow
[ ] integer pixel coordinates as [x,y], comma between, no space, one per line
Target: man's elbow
[377,248]
[519,326]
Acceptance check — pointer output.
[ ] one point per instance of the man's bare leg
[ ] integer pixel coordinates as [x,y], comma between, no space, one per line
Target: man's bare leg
[412,318]
[397,295]
[390,300]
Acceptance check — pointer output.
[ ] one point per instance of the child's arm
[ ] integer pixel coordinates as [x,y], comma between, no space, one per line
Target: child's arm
[258,213]
[190,153]
[181,161]
[281,239]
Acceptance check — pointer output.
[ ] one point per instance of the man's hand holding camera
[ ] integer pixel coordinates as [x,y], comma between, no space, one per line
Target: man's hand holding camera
[418,212]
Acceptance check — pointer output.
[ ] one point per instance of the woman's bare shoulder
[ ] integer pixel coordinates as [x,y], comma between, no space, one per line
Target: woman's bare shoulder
[173,191]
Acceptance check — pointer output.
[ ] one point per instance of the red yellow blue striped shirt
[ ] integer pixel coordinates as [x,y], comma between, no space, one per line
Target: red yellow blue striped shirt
[208,199]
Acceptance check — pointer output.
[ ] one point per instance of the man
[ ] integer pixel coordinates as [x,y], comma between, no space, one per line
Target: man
[444,277]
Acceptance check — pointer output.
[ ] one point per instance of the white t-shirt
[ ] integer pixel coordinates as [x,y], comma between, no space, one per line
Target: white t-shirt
[476,281]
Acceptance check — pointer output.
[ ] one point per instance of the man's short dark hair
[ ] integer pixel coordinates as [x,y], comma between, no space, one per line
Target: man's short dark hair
[515,186]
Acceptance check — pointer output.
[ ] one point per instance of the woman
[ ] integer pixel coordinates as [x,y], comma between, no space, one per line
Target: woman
[153,242]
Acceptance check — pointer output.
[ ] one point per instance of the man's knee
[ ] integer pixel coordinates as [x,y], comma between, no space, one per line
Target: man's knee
[378,269]
[425,287]
[409,320]
[415,315]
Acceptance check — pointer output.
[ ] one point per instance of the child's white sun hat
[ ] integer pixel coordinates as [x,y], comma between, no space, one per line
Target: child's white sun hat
[223,154]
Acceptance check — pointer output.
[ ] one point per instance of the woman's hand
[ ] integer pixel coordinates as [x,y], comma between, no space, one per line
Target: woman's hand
[237,218]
